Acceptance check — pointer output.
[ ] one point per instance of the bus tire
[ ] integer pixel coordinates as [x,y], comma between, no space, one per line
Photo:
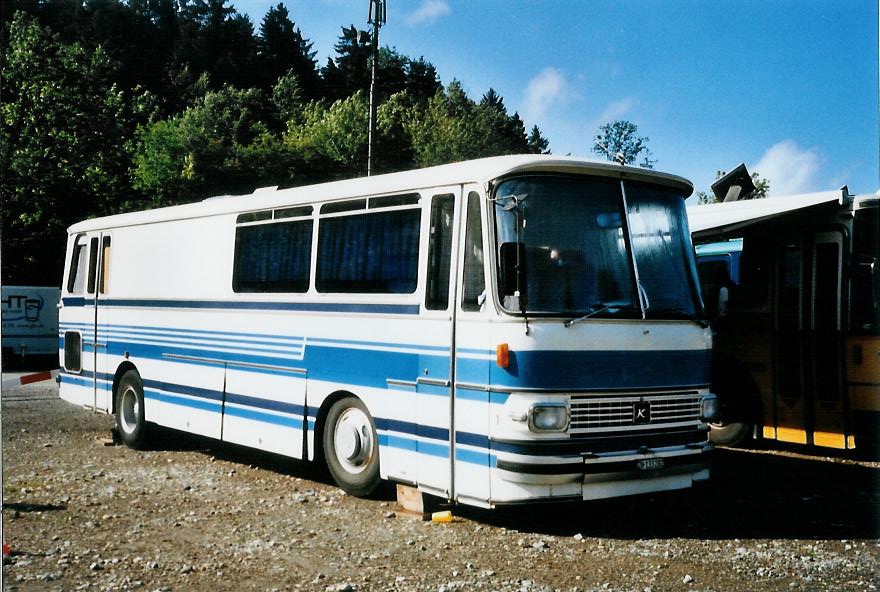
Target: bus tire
[729,434]
[130,421]
[351,447]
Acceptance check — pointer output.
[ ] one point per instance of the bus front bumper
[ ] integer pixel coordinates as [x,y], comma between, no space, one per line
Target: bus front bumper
[613,475]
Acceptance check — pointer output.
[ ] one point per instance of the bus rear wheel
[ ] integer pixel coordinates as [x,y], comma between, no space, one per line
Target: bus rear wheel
[351,447]
[130,421]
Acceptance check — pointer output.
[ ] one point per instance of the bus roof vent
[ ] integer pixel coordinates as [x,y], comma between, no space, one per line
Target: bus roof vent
[261,190]
[737,184]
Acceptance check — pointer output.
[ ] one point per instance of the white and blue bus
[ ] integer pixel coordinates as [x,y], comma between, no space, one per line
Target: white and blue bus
[495,331]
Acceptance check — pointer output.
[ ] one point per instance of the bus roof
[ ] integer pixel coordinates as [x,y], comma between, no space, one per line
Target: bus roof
[711,220]
[472,171]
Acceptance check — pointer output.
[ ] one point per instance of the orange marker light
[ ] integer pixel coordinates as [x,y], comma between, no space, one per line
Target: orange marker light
[502,355]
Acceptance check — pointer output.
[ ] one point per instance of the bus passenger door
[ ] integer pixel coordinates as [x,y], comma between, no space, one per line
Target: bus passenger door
[823,352]
[94,339]
[471,467]
[791,408]
[77,321]
[434,392]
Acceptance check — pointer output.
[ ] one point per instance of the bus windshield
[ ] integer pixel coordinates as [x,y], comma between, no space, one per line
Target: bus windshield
[563,249]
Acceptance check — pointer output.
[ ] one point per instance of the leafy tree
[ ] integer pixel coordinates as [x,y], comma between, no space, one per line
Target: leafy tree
[394,145]
[333,138]
[63,139]
[453,127]
[287,98]
[121,104]
[619,141]
[762,189]
[222,144]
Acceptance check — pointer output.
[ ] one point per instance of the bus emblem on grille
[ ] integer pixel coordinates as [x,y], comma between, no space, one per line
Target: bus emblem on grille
[641,412]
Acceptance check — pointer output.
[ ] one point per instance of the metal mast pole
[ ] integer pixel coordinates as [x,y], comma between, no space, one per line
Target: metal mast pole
[377,19]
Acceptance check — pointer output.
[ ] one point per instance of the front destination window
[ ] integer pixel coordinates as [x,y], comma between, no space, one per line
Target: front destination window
[564,249]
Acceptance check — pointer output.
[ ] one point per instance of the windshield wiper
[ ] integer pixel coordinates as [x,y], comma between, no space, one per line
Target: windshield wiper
[602,308]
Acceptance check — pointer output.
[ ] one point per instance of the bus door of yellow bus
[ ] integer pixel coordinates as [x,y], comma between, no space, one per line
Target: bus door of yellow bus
[825,348]
[810,401]
[790,407]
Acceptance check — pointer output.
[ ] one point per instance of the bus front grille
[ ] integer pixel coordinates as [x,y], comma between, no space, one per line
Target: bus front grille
[592,413]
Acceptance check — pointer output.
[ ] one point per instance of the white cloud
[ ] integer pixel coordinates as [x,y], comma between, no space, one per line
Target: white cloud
[616,110]
[790,168]
[544,91]
[429,12]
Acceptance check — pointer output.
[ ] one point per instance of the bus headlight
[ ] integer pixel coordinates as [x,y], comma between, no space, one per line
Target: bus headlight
[548,417]
[709,408]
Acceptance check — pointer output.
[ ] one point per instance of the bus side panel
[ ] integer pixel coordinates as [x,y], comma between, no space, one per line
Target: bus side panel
[863,385]
[432,402]
[265,410]
[182,389]
[365,356]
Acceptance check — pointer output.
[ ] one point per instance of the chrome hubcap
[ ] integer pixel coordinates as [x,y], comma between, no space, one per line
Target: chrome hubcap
[353,440]
[129,410]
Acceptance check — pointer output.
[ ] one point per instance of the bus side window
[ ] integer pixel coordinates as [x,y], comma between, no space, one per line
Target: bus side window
[440,252]
[76,279]
[274,257]
[105,264]
[474,282]
[93,264]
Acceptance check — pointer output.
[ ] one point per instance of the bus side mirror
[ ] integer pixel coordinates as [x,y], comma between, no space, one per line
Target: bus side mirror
[509,256]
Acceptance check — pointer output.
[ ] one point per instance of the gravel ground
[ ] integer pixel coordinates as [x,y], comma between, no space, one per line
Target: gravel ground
[192,514]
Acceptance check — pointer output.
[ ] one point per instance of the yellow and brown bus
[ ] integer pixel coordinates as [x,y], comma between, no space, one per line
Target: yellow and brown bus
[792,286]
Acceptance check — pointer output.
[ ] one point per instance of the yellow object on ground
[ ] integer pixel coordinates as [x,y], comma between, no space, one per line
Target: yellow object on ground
[441,516]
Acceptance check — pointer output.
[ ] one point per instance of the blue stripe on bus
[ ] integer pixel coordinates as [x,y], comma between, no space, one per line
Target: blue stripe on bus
[415,429]
[556,369]
[402,443]
[77,380]
[200,404]
[408,309]
[603,370]
[183,332]
[433,449]
[245,349]
[180,389]
[267,404]
[397,442]
[207,400]
[282,420]
[249,338]
[481,395]
[475,457]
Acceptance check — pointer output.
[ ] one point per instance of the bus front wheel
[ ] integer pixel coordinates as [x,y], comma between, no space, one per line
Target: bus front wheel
[729,434]
[351,447]
[130,421]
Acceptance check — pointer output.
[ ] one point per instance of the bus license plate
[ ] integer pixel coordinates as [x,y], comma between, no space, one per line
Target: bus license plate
[650,464]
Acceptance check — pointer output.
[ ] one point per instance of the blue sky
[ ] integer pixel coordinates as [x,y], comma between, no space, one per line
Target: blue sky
[788,87]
